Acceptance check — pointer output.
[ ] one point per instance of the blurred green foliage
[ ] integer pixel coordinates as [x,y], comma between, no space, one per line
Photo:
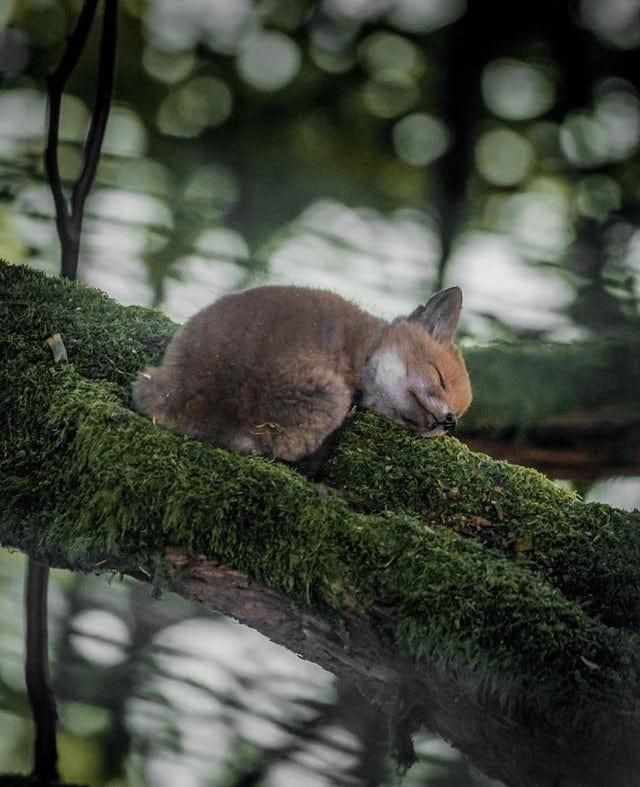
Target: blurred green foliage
[377,148]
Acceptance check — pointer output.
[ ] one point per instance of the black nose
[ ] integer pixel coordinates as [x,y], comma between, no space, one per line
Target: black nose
[449,422]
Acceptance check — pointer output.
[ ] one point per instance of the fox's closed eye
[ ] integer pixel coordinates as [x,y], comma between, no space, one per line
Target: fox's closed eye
[417,400]
[440,377]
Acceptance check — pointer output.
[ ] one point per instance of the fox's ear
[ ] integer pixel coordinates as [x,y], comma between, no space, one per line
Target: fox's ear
[440,314]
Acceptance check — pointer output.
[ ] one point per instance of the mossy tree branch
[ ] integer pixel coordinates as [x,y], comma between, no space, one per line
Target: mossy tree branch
[449,587]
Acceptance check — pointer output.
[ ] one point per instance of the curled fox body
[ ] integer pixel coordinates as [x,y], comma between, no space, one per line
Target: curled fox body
[275,371]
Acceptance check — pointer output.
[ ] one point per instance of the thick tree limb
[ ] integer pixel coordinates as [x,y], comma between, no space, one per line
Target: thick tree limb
[407,582]
[519,754]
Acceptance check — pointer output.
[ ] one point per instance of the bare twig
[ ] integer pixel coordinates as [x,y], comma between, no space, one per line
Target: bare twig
[55,88]
[101,107]
[69,215]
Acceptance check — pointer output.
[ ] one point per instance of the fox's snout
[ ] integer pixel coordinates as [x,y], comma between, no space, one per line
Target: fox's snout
[448,423]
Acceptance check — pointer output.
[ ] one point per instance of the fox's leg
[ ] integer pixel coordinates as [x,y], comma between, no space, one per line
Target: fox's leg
[312,464]
[298,411]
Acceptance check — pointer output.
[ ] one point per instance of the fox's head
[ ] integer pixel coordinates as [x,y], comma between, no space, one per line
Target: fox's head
[416,376]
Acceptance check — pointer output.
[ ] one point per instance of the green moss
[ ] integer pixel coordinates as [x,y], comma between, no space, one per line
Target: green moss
[87,482]
[591,552]
[114,487]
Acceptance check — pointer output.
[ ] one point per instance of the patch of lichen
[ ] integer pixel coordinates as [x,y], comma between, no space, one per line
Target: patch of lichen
[89,483]
[591,552]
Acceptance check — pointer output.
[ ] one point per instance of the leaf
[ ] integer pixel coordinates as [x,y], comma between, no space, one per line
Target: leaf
[57,348]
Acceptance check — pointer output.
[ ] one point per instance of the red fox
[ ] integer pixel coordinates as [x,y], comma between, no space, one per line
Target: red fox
[276,370]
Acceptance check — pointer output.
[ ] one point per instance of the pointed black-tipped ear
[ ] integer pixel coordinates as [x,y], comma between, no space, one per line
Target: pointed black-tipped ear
[440,314]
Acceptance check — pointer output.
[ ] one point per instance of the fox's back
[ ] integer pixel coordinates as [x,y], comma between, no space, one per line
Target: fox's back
[252,354]
[241,334]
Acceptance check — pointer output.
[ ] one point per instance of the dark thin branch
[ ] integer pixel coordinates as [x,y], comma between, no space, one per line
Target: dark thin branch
[69,216]
[75,44]
[69,225]
[37,653]
[55,87]
[461,109]
[101,107]
[37,673]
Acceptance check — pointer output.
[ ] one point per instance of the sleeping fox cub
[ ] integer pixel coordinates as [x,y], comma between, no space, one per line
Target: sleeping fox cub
[275,370]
